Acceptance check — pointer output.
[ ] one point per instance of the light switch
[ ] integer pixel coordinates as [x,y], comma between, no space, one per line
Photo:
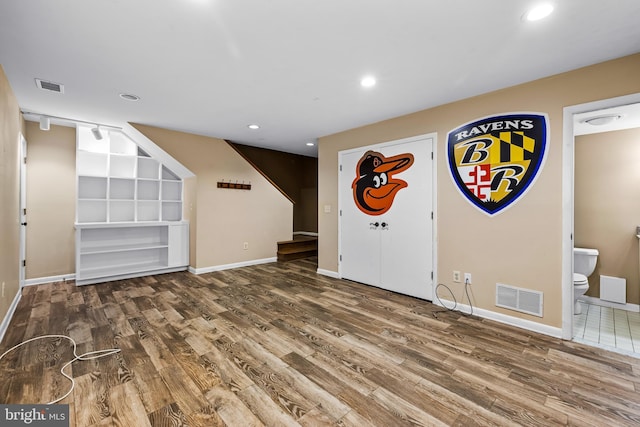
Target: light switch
[327,208]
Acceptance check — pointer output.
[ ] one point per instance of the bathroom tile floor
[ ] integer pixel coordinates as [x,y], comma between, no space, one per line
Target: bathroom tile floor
[610,328]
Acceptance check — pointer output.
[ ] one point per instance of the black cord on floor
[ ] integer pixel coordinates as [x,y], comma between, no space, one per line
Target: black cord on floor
[455,302]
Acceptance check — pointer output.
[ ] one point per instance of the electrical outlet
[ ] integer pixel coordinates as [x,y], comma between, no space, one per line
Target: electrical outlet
[245,245]
[456,276]
[467,278]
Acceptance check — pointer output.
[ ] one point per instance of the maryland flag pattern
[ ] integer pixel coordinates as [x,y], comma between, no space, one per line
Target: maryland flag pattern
[495,160]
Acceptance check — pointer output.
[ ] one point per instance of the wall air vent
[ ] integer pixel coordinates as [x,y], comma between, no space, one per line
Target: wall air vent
[518,299]
[50,86]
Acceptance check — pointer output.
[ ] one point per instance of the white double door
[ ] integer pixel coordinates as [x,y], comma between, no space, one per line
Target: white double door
[392,250]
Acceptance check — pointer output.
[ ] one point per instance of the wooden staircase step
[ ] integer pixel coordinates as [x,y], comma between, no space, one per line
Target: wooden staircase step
[300,247]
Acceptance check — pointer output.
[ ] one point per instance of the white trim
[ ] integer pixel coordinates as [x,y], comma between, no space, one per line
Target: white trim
[156,152]
[568,142]
[104,279]
[50,279]
[230,266]
[22,214]
[305,233]
[597,301]
[506,319]
[329,273]
[7,318]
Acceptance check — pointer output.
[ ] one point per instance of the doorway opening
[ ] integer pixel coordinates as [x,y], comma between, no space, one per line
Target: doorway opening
[592,136]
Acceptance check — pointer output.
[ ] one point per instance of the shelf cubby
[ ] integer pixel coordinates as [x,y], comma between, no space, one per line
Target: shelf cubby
[120,188]
[92,211]
[168,175]
[171,211]
[121,210]
[148,210]
[120,144]
[90,187]
[148,168]
[172,190]
[91,164]
[148,190]
[121,166]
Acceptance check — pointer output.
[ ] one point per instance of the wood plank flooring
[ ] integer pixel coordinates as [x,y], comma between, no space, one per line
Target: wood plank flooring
[279,345]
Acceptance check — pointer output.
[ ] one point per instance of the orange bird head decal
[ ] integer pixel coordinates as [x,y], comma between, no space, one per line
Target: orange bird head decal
[374,187]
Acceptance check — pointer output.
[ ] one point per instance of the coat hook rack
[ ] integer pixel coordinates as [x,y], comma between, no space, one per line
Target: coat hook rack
[234,185]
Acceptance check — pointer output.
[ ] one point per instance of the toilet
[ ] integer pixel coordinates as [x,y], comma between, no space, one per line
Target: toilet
[584,262]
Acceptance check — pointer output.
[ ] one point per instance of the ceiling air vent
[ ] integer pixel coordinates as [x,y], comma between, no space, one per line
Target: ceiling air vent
[50,86]
[523,300]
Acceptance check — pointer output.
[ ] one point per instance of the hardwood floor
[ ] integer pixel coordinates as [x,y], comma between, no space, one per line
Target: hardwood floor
[279,345]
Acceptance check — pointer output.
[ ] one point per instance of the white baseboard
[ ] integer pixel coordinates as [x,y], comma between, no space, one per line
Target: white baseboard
[7,318]
[50,279]
[597,301]
[230,266]
[506,319]
[328,273]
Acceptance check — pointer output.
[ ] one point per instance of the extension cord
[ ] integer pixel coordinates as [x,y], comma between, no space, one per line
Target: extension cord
[453,297]
[90,355]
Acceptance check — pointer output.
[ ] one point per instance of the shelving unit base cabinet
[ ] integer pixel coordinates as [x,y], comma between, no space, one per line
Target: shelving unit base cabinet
[110,251]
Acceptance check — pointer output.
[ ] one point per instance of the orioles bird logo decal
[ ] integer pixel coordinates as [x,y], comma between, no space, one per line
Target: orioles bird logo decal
[374,187]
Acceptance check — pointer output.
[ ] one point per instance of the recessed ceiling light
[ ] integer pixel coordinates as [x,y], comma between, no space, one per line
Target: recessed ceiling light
[310,144]
[368,81]
[602,120]
[538,12]
[253,126]
[129,97]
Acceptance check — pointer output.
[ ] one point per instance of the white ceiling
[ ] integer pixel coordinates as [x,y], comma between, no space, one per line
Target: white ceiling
[628,117]
[212,67]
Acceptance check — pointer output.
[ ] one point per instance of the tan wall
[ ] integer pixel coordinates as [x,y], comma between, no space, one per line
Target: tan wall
[522,246]
[225,218]
[10,128]
[51,200]
[189,213]
[607,205]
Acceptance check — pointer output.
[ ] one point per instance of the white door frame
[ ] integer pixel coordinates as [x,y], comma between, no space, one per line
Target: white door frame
[568,154]
[22,204]
[434,186]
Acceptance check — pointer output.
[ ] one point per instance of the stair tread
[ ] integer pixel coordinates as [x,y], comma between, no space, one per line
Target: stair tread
[290,249]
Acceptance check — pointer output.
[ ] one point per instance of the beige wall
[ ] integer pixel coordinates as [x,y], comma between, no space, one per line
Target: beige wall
[190,213]
[607,205]
[10,128]
[522,246]
[51,200]
[225,218]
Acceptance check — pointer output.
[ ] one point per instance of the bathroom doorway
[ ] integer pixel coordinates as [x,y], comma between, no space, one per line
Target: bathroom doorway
[597,324]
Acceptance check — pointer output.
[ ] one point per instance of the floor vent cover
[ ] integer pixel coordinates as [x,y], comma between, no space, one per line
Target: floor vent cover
[50,86]
[518,299]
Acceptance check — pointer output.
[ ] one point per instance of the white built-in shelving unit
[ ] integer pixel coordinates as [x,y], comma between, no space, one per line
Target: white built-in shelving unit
[129,211]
